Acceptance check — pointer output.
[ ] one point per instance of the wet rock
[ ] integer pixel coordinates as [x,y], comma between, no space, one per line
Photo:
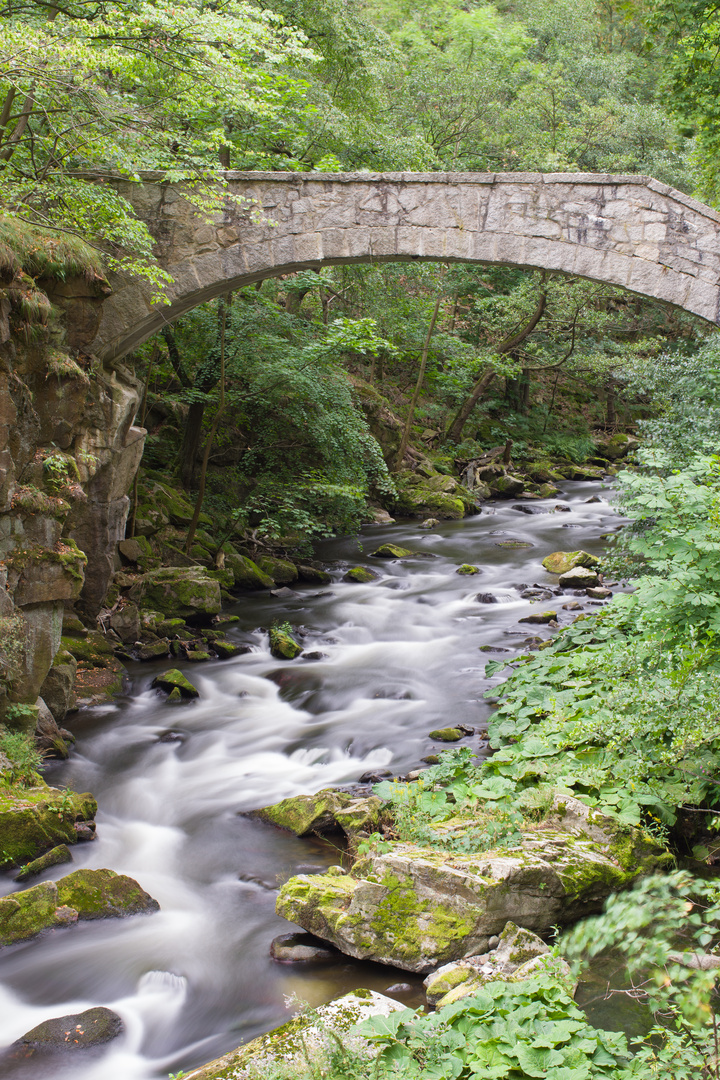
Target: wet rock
[429,523]
[175,680]
[447,734]
[492,648]
[514,545]
[562,508]
[524,509]
[173,736]
[79,1031]
[282,645]
[507,486]
[360,574]
[391,551]
[328,811]
[617,447]
[197,656]
[540,617]
[416,907]
[487,598]
[315,655]
[536,594]
[58,689]
[154,650]
[468,569]
[55,857]
[599,593]
[312,574]
[283,593]
[55,742]
[560,562]
[548,491]
[375,777]
[579,577]
[572,605]
[85,832]
[594,499]
[301,948]
[431,759]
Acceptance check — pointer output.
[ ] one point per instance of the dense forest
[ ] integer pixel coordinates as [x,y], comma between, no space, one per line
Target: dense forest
[153,501]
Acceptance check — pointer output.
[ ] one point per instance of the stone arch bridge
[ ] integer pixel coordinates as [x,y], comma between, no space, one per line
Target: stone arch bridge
[629,231]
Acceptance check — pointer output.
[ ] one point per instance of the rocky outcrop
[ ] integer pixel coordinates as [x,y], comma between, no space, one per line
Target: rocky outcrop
[417,907]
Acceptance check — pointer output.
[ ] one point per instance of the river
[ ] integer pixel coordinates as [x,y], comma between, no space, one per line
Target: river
[400,657]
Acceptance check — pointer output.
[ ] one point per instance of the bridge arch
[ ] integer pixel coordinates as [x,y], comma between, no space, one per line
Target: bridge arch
[628,231]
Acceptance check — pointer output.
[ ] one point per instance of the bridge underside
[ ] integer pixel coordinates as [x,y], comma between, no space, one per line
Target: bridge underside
[629,232]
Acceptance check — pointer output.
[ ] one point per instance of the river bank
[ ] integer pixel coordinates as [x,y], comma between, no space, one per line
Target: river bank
[401,655]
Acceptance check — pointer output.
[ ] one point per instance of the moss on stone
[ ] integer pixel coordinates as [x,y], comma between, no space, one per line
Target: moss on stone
[247,575]
[175,680]
[360,574]
[391,551]
[448,734]
[467,569]
[305,814]
[33,820]
[560,562]
[283,645]
[282,571]
[102,894]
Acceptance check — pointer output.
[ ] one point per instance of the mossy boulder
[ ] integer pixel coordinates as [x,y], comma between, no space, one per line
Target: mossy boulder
[312,574]
[361,575]
[283,645]
[173,680]
[179,592]
[617,447]
[33,820]
[224,650]
[540,617]
[306,814]
[562,561]
[468,569]
[55,857]
[417,907]
[247,575]
[103,894]
[58,689]
[506,487]
[92,649]
[446,734]
[84,894]
[581,472]
[282,571]
[391,551]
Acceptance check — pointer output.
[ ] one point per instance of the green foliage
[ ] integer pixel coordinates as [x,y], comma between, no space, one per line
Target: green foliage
[664,927]
[24,757]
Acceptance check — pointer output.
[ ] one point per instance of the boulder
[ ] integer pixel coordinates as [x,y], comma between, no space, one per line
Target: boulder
[429,523]
[247,575]
[103,894]
[285,1050]
[328,811]
[541,617]
[599,593]
[468,569]
[446,734]
[617,447]
[513,545]
[461,978]
[580,577]
[283,645]
[58,689]
[507,486]
[560,562]
[417,907]
[391,551]
[312,574]
[361,575]
[33,820]
[80,1031]
[173,680]
[125,621]
[187,592]
[282,571]
[225,651]
[49,738]
[135,550]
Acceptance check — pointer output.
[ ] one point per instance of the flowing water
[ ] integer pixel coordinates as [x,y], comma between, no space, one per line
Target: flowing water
[399,657]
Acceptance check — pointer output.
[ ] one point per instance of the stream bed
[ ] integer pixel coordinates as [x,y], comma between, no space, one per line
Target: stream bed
[400,657]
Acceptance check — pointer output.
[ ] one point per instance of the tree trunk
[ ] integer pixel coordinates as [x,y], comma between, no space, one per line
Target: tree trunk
[418,386]
[463,413]
[611,415]
[191,442]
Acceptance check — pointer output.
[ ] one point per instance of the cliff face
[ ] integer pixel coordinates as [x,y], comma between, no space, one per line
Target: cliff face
[68,454]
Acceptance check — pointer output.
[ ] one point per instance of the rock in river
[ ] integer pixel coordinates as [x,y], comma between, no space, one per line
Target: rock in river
[173,680]
[417,907]
[580,577]
[562,561]
[76,1032]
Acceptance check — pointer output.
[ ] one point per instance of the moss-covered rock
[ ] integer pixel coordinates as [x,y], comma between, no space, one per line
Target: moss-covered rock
[505,487]
[283,645]
[84,894]
[515,948]
[312,574]
[224,650]
[618,446]
[175,680]
[282,571]
[103,894]
[285,1050]
[540,617]
[247,575]
[305,814]
[416,907]
[562,561]
[446,734]
[468,569]
[55,857]
[179,592]
[361,575]
[33,820]
[92,649]
[391,551]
